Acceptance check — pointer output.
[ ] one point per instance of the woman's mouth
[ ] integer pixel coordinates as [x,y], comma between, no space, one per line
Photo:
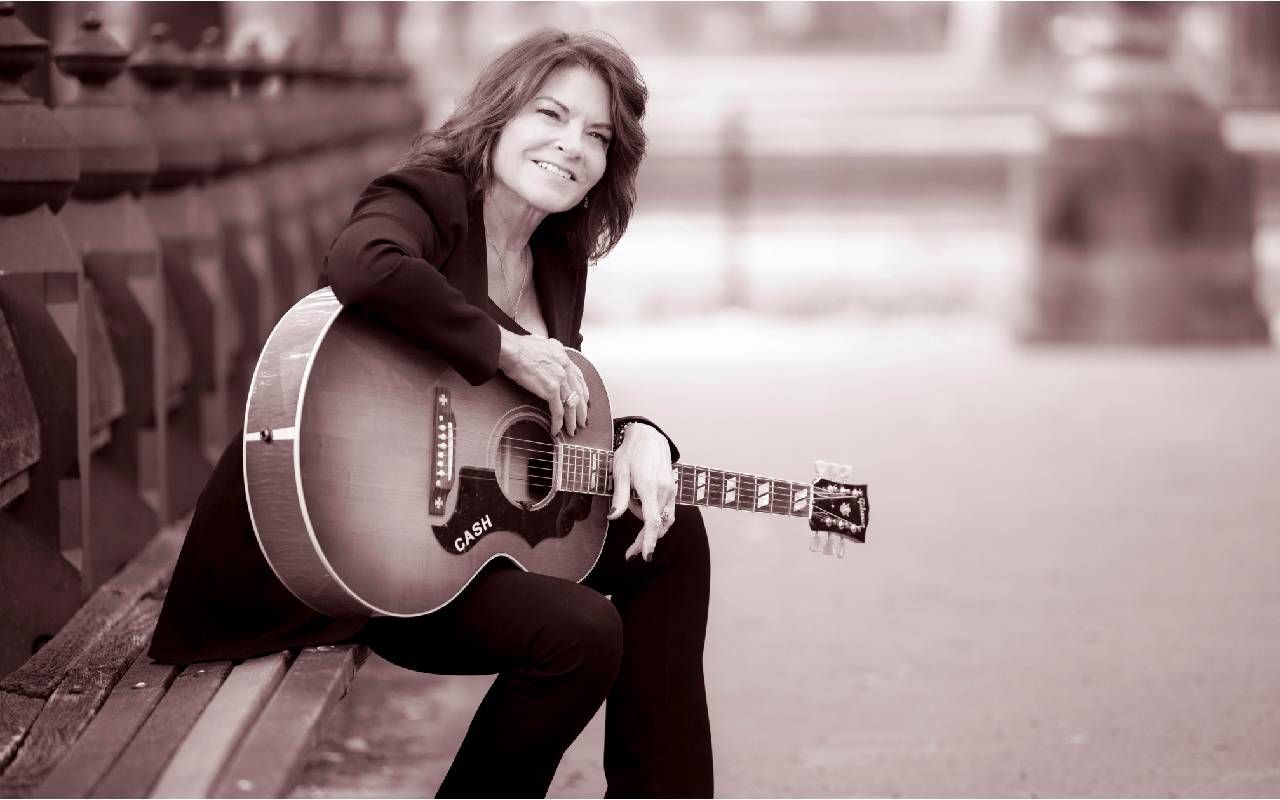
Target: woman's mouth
[556,171]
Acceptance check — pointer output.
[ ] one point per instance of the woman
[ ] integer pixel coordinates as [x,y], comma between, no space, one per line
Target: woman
[477,247]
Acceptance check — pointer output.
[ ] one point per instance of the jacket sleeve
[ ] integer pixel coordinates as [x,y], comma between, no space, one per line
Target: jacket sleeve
[387,259]
[620,421]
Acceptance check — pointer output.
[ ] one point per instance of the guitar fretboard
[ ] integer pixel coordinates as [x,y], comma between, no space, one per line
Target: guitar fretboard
[587,470]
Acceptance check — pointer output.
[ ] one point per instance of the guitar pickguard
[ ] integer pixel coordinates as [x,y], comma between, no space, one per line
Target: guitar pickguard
[483,509]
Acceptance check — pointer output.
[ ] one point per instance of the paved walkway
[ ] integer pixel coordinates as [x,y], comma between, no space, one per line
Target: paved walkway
[1070,586]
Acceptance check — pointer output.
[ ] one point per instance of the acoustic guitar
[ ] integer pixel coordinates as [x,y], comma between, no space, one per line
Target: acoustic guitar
[380,482]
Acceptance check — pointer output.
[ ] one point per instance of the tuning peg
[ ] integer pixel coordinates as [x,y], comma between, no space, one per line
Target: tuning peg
[827,547]
[814,544]
[840,548]
[820,467]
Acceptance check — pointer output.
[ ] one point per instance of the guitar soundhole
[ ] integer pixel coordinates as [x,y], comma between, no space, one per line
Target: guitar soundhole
[524,463]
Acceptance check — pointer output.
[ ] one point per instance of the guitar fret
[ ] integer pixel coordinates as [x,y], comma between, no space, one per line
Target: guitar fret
[570,477]
[588,470]
[780,501]
[577,469]
[800,499]
[570,482]
[764,495]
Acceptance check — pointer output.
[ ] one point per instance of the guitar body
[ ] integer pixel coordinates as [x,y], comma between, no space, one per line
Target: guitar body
[349,426]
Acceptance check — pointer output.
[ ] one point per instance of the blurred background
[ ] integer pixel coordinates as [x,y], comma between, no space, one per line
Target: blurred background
[1018,264]
[883,151]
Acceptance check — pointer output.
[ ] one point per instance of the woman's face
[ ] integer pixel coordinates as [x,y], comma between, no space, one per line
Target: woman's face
[554,149]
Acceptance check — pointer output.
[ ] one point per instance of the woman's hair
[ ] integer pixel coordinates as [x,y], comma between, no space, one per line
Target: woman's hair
[465,142]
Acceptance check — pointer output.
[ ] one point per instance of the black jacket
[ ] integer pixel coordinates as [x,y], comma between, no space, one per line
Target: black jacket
[412,255]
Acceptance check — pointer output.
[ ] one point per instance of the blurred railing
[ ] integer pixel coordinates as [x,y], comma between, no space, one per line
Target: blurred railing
[148,244]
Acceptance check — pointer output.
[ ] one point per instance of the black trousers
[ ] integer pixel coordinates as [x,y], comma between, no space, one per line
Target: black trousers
[559,650]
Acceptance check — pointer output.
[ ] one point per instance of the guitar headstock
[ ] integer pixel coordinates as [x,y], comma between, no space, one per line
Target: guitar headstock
[839,510]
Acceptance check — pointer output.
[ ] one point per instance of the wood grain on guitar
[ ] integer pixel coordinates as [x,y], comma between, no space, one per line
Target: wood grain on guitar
[398,481]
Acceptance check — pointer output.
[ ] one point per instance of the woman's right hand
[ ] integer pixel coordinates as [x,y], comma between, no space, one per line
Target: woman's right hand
[542,366]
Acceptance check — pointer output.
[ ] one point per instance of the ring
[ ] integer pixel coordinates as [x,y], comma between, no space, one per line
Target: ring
[572,399]
[665,516]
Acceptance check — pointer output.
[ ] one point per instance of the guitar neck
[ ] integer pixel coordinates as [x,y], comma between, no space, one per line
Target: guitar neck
[588,470]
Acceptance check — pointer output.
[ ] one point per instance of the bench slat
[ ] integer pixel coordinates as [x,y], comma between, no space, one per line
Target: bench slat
[17,713]
[141,763]
[275,749]
[43,671]
[126,708]
[77,698]
[217,733]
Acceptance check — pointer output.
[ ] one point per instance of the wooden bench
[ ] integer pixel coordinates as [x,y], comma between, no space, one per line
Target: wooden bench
[91,714]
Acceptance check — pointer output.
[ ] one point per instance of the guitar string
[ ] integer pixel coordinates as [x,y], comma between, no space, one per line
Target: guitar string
[817,512]
[542,483]
[545,476]
[543,449]
[714,480]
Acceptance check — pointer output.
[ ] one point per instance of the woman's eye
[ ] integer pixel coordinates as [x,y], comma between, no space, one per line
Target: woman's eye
[549,112]
[603,139]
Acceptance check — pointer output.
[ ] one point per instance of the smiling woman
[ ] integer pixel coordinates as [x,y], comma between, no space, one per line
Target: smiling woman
[476,248]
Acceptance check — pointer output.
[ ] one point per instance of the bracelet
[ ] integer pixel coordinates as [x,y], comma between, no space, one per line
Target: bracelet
[622,432]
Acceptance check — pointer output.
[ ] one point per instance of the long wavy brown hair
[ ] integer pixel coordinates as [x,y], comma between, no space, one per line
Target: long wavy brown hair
[464,143]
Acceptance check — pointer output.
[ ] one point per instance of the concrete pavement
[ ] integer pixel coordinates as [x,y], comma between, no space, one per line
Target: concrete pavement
[1070,584]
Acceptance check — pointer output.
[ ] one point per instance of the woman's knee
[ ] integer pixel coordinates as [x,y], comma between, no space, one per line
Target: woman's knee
[687,544]
[584,637]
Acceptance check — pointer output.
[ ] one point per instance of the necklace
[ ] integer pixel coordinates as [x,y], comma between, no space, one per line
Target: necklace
[506,279]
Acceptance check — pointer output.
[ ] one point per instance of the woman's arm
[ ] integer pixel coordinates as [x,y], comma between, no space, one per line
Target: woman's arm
[382,262]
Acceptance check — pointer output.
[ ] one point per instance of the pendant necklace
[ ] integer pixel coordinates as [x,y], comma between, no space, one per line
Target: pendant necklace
[502,265]
[506,279]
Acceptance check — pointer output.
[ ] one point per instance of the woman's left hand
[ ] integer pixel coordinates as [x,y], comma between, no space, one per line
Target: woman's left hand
[643,461]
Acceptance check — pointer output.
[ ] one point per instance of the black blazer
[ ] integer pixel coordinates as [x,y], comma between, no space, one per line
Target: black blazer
[413,256]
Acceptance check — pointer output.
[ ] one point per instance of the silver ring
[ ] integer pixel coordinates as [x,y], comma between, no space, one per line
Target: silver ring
[572,399]
[665,516]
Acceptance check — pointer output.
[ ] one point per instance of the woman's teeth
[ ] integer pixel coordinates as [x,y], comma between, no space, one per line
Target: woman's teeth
[554,170]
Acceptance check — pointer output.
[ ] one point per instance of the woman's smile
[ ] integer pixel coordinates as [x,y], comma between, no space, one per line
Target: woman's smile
[555,170]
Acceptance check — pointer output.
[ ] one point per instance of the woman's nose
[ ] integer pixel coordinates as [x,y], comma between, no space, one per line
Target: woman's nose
[570,144]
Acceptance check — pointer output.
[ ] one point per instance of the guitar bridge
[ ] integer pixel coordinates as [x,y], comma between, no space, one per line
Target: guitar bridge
[442,450]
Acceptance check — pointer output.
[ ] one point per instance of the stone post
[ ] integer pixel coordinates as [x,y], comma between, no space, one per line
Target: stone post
[279,180]
[240,207]
[192,248]
[121,257]
[43,345]
[1144,219]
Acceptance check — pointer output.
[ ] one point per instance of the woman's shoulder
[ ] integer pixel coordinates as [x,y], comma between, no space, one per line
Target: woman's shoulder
[437,190]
